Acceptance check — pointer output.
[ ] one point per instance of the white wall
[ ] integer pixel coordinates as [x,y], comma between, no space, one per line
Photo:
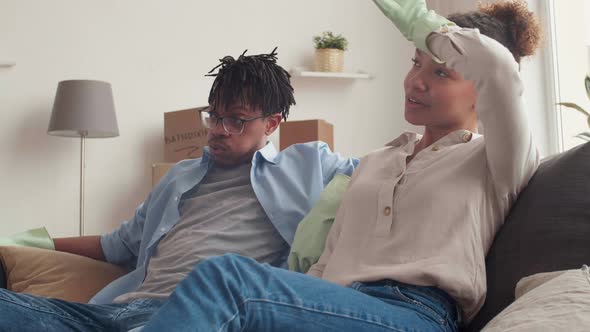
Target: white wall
[155,54]
[446,7]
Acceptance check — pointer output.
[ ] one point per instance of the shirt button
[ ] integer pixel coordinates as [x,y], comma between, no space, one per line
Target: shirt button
[467,137]
[175,198]
[163,229]
[387,211]
[435,148]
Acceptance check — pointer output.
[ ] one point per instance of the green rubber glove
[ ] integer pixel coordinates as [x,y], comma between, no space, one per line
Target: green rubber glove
[413,20]
[37,237]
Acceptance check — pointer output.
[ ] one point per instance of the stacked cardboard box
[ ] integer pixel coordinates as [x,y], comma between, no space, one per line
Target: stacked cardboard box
[306,131]
[184,138]
[184,135]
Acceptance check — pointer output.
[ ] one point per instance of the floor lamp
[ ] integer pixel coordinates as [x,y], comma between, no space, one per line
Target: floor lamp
[85,109]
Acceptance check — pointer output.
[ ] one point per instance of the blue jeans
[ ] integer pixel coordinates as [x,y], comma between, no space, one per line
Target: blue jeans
[235,293]
[24,312]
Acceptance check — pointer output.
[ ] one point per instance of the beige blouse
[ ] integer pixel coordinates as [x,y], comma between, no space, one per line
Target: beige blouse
[432,221]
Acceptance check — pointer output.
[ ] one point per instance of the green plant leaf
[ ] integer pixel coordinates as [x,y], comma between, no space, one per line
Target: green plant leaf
[587,85]
[585,136]
[574,106]
[329,40]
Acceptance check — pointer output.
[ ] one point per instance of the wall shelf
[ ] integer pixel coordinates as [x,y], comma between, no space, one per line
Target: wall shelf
[7,64]
[299,72]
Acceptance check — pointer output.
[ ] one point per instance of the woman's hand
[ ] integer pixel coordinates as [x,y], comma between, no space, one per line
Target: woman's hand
[413,19]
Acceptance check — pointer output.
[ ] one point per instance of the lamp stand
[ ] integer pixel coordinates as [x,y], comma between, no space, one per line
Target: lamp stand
[85,109]
[83,135]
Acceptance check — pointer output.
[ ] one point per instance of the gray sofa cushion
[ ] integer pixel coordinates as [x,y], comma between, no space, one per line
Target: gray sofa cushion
[548,229]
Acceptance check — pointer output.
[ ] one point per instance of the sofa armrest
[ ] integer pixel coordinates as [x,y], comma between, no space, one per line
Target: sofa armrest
[55,274]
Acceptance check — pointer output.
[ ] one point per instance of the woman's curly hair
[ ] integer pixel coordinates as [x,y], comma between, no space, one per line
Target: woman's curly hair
[509,22]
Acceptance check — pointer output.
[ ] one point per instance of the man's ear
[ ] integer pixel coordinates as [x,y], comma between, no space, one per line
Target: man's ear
[272,123]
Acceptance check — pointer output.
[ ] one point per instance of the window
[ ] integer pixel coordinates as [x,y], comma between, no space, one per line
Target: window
[570,39]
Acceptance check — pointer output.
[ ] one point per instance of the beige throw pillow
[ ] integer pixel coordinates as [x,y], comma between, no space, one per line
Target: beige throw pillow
[555,301]
[529,283]
[55,274]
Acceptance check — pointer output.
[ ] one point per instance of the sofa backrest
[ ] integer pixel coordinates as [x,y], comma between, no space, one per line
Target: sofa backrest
[548,229]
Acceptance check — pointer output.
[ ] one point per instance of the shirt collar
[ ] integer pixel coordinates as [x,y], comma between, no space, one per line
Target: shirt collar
[455,137]
[268,152]
[404,139]
[206,155]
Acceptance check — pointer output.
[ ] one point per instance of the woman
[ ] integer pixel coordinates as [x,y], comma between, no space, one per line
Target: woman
[407,249]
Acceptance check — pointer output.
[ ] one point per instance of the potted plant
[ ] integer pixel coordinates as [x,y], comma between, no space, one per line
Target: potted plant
[585,135]
[329,53]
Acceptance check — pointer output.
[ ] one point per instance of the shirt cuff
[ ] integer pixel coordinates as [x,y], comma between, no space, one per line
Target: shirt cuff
[431,22]
[113,247]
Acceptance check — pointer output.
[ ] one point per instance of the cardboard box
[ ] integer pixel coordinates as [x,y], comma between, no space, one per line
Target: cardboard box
[184,135]
[158,171]
[292,132]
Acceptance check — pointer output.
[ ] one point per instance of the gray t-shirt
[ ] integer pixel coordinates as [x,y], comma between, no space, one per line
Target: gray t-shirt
[222,216]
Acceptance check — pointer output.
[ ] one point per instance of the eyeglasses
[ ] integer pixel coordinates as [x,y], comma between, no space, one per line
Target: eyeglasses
[231,125]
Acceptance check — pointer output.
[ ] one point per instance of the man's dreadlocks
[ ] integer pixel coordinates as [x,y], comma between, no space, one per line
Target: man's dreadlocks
[255,80]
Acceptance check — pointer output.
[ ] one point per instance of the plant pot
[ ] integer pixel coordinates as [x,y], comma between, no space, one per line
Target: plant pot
[329,59]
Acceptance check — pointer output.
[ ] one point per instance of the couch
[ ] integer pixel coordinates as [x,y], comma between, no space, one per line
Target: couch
[547,230]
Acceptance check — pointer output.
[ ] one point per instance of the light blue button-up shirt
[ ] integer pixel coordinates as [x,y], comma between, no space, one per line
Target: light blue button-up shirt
[286,183]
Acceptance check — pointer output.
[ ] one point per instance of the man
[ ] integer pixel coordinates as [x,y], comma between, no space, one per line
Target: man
[241,197]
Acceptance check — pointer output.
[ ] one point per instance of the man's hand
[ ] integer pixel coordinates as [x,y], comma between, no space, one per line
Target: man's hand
[413,19]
